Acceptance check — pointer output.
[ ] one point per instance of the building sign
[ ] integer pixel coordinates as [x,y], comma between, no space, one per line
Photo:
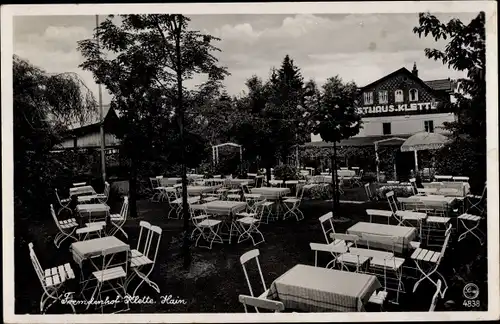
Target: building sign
[399,109]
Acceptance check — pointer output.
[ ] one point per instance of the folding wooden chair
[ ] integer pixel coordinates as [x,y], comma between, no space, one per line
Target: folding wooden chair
[246,257]
[250,224]
[357,179]
[413,183]
[435,297]
[259,303]
[208,229]
[118,220]
[379,213]
[268,211]
[53,281]
[383,262]
[155,188]
[369,193]
[87,232]
[391,199]
[66,228]
[113,274]
[292,204]
[146,258]
[430,260]
[63,203]
[198,214]
[476,202]
[103,198]
[465,220]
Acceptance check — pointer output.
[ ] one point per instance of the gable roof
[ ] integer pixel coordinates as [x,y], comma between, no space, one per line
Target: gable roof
[93,124]
[401,70]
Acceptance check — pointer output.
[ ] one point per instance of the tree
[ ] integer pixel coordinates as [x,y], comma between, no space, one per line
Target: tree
[272,115]
[465,51]
[44,106]
[154,55]
[333,115]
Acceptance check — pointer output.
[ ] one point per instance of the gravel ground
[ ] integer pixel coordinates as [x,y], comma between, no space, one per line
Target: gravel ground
[215,278]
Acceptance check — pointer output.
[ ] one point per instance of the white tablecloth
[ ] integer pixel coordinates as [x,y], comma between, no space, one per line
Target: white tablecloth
[271,193]
[220,207]
[314,289]
[79,191]
[86,249]
[197,190]
[435,199]
[95,210]
[403,235]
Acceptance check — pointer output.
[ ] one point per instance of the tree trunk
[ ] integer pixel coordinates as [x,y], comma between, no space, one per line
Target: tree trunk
[133,187]
[337,196]
[185,206]
[268,174]
[334,187]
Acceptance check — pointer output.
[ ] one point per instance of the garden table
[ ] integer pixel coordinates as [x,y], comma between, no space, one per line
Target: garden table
[168,182]
[403,235]
[463,188]
[87,250]
[81,191]
[238,182]
[198,190]
[253,196]
[227,209]
[273,193]
[215,181]
[427,191]
[93,211]
[276,182]
[315,289]
[443,177]
[435,199]
[436,185]
[346,173]
[195,176]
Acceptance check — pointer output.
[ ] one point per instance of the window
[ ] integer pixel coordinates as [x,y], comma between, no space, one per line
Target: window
[413,95]
[382,97]
[398,96]
[368,96]
[429,126]
[386,128]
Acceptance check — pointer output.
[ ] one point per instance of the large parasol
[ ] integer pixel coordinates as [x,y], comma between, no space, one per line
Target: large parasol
[423,141]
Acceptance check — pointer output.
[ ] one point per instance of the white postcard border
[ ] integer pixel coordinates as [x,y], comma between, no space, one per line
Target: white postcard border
[253,8]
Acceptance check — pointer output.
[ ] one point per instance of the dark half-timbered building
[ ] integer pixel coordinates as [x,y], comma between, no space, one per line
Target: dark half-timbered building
[397,106]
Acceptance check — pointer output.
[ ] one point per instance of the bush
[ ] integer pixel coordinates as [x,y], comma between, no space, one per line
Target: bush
[462,157]
[320,192]
[399,191]
[286,172]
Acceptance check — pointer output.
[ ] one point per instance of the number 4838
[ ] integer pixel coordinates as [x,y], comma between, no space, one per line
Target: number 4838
[471,303]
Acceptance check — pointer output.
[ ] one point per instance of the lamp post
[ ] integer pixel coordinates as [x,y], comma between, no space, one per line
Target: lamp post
[101,118]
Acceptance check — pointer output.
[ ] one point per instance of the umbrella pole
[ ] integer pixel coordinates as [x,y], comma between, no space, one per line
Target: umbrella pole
[416,161]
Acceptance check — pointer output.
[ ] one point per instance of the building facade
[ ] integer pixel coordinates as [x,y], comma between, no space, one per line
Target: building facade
[89,136]
[397,106]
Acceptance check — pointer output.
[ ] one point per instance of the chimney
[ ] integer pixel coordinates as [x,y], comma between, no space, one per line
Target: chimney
[415,71]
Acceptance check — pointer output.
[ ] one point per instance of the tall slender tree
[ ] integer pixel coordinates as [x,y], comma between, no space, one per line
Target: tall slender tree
[44,106]
[334,116]
[465,51]
[153,56]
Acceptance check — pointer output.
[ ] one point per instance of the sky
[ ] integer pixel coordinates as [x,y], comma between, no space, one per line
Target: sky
[357,47]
